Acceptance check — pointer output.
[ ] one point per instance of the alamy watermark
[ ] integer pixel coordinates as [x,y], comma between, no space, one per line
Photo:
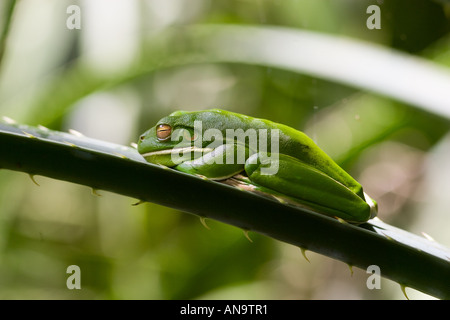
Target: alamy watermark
[74,280]
[374,280]
[74,20]
[237,147]
[374,20]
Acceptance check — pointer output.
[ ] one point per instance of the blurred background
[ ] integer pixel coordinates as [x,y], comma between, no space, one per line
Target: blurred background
[117,74]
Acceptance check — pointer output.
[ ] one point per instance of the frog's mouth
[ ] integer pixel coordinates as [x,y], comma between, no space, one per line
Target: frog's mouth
[175,156]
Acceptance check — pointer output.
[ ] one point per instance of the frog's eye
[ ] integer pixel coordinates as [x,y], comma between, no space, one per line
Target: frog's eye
[163,132]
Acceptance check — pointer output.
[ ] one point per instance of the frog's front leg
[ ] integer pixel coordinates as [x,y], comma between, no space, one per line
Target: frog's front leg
[221,163]
[308,186]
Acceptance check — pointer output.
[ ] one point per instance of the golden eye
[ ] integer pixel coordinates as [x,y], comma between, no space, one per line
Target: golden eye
[163,131]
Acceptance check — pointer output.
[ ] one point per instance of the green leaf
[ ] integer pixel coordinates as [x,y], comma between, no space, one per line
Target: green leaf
[410,260]
[352,62]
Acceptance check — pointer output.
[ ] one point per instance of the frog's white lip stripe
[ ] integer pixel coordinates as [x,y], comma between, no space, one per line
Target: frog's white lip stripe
[176,150]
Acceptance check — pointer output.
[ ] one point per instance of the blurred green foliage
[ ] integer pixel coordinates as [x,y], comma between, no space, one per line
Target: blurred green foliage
[115,77]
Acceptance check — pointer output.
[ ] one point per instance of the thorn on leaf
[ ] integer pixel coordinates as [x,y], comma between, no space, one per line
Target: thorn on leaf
[304,254]
[203,221]
[247,236]
[34,180]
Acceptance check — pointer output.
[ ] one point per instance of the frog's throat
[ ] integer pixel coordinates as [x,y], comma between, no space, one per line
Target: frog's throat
[177,150]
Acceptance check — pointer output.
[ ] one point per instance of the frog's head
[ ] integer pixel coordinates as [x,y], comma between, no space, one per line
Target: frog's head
[173,139]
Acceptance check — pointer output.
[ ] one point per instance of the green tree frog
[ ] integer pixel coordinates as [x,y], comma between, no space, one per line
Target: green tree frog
[271,157]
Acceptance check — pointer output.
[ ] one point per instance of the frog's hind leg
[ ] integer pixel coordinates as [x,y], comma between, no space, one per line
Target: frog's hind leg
[293,178]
